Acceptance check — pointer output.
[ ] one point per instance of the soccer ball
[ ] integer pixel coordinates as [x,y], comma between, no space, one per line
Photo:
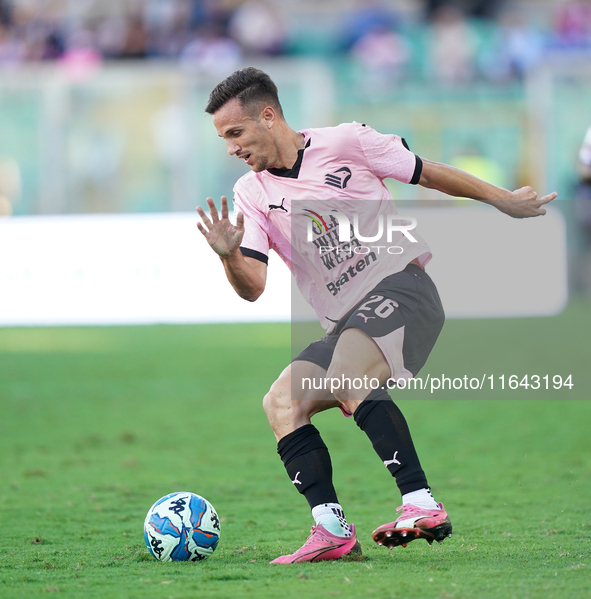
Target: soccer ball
[182,526]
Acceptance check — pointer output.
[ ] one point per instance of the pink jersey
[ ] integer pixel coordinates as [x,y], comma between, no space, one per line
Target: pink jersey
[303,213]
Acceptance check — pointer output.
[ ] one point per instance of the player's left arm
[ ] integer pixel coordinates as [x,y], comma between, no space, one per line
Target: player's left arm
[521,203]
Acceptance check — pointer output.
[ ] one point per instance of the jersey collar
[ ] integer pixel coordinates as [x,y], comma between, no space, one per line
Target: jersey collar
[294,171]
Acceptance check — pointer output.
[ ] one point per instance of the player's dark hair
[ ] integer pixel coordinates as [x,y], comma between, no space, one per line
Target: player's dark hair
[251,87]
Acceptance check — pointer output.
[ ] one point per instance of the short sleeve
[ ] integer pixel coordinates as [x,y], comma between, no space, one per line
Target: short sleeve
[389,156]
[255,243]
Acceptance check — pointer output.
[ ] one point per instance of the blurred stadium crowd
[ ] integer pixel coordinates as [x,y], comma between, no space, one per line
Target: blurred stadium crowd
[101,101]
[442,40]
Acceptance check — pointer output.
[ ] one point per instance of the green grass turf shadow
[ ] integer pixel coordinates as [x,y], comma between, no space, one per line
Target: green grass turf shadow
[97,423]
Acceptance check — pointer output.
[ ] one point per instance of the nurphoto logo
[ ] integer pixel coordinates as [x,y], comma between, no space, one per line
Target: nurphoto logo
[343,224]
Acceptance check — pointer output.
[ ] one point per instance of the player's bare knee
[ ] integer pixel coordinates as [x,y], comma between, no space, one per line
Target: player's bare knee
[349,391]
[349,399]
[342,395]
[276,400]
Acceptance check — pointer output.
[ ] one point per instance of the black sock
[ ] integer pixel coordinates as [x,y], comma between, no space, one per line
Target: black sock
[308,464]
[381,420]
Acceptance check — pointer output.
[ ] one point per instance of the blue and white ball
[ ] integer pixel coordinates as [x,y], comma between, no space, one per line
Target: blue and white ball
[182,526]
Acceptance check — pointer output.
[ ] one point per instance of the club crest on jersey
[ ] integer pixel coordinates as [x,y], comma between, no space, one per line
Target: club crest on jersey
[338,178]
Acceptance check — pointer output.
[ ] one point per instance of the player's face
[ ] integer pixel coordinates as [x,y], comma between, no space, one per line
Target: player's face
[247,136]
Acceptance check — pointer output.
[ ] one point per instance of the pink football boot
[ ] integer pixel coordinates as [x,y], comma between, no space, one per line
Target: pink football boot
[414,523]
[322,545]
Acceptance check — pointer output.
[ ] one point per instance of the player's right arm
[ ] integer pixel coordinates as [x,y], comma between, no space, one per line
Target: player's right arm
[247,275]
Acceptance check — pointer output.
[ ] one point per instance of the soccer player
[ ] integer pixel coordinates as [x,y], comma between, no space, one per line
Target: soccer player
[382,314]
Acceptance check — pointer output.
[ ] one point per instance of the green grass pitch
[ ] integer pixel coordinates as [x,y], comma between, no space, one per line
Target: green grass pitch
[98,423]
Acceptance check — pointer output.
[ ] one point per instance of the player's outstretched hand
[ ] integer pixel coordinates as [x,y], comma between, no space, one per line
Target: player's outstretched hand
[221,234]
[524,203]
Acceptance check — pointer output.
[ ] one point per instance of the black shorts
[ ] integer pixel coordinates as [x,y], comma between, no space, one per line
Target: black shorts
[404,316]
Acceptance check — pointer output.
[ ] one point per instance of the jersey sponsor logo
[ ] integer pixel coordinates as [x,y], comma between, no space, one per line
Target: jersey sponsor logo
[320,222]
[337,239]
[338,178]
[326,234]
[278,206]
[351,272]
